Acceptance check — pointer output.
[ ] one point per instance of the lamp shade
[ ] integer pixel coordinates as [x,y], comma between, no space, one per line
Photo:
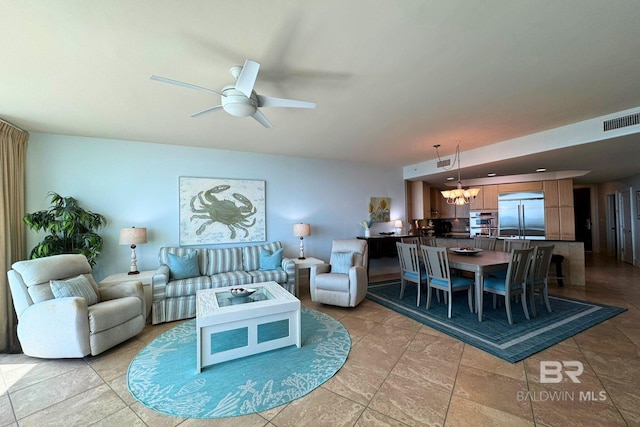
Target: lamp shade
[301,230]
[398,223]
[133,236]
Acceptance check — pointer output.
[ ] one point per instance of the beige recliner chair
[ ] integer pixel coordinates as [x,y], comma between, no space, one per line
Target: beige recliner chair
[343,281]
[72,326]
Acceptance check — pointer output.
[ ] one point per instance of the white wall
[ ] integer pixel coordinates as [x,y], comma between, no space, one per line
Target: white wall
[136,184]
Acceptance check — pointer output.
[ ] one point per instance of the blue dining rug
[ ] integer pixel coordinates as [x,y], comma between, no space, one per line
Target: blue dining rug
[163,376]
[494,334]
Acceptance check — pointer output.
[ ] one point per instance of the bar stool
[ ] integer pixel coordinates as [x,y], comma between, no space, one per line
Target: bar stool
[557,260]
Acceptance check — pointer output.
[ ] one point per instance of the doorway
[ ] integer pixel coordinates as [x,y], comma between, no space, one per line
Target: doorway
[612,228]
[625,236]
[582,208]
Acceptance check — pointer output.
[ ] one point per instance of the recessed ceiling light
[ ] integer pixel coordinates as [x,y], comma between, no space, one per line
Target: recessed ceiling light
[450,178]
[492,174]
[541,170]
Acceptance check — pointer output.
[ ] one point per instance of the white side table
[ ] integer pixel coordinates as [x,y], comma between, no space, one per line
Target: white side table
[143,276]
[302,264]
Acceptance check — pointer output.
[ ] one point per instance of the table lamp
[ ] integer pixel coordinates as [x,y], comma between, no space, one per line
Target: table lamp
[398,226]
[133,236]
[301,230]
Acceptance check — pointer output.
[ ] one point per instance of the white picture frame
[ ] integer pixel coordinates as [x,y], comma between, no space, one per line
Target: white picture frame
[221,211]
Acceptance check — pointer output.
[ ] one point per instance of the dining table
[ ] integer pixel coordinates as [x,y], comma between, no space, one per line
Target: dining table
[479,263]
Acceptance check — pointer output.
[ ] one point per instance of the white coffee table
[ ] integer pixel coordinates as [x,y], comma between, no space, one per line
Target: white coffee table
[229,328]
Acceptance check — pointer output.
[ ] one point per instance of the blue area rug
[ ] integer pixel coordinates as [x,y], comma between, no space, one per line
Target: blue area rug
[494,334]
[163,375]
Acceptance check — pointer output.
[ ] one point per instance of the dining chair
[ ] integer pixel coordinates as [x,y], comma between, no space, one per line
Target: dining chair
[415,240]
[410,268]
[428,241]
[509,244]
[439,277]
[514,283]
[538,276]
[486,243]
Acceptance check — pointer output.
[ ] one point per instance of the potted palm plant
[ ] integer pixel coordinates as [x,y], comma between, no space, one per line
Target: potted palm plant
[71,229]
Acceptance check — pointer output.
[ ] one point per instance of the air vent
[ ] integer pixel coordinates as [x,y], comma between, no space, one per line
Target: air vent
[622,122]
[443,163]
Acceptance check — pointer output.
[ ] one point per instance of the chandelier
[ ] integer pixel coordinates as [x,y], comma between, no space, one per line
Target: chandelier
[459,196]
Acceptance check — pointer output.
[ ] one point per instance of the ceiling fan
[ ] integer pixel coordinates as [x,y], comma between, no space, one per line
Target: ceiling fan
[239,99]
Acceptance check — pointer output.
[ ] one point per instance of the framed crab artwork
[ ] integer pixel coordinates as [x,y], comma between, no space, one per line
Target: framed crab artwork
[216,211]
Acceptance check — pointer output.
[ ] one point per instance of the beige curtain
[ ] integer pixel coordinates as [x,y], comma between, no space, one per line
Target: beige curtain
[13,156]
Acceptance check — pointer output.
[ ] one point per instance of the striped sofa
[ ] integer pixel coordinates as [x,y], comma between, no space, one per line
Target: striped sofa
[176,299]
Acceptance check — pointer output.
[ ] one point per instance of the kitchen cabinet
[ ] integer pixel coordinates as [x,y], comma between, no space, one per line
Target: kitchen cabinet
[565,192]
[453,211]
[552,223]
[567,223]
[487,200]
[446,210]
[490,197]
[420,200]
[559,212]
[520,186]
[550,189]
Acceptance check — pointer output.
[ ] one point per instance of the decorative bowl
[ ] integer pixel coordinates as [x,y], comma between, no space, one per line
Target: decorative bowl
[466,251]
[241,292]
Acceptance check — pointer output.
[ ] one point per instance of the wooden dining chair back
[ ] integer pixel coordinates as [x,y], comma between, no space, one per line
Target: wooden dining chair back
[485,243]
[439,277]
[415,240]
[410,268]
[428,241]
[514,283]
[509,244]
[538,276]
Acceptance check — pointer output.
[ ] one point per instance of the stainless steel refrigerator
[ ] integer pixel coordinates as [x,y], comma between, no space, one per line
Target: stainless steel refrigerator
[521,215]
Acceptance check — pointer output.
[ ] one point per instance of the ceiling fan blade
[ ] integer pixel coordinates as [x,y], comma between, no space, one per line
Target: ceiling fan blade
[183,84]
[270,101]
[208,110]
[261,119]
[247,77]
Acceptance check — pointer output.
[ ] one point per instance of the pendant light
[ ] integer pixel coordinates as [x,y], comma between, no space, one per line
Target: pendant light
[459,196]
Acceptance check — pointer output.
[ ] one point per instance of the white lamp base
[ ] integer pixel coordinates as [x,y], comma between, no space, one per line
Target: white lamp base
[133,268]
[301,248]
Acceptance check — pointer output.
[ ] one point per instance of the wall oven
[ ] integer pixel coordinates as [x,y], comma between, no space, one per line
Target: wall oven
[483,224]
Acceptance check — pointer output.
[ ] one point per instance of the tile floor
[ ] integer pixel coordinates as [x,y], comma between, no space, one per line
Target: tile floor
[398,373]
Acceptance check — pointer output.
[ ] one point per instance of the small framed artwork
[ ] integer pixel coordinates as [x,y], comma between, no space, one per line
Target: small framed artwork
[216,211]
[380,209]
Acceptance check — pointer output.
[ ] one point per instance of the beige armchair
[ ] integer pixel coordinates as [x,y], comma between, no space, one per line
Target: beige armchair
[343,281]
[53,323]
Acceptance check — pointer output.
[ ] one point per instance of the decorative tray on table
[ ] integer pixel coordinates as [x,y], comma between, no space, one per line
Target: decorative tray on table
[467,250]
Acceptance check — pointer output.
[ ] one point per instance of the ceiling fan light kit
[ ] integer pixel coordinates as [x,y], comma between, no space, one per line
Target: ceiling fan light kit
[239,99]
[237,104]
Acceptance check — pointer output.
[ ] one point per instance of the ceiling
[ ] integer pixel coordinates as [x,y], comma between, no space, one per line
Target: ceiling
[390,79]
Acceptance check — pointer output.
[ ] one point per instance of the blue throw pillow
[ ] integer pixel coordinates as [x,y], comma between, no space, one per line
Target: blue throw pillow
[76,287]
[341,262]
[270,261]
[184,267]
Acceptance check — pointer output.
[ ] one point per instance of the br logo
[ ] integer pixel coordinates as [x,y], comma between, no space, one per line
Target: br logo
[552,371]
